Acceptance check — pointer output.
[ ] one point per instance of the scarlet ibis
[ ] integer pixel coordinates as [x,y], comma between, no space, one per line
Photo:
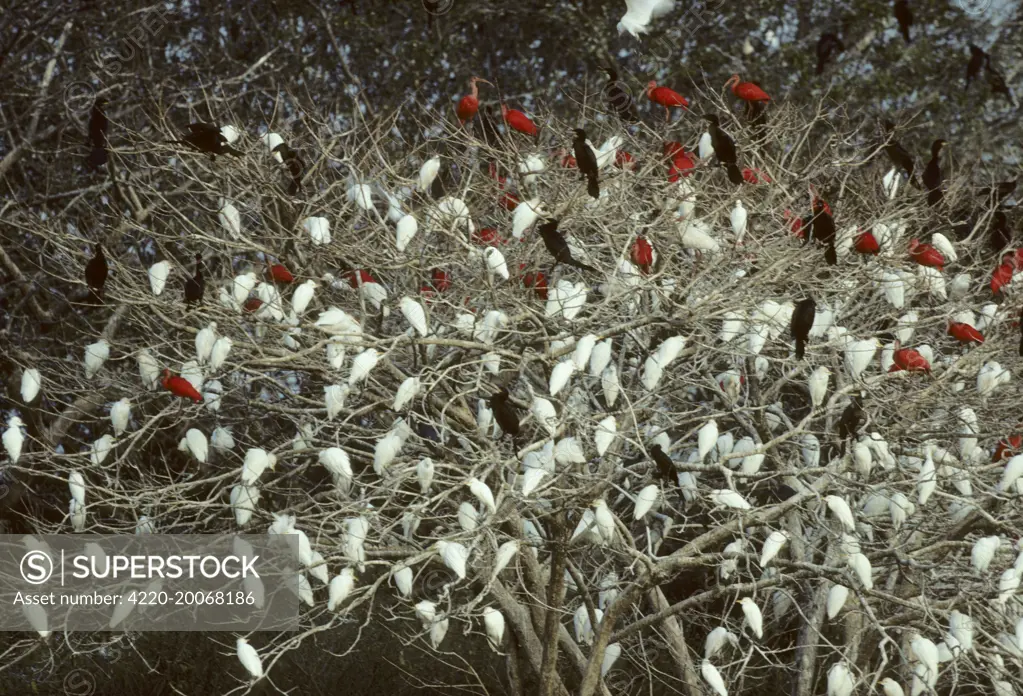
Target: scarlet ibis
[1002,277]
[724,148]
[624,160]
[996,81]
[1009,447]
[278,272]
[195,286]
[179,386]
[752,175]
[802,321]
[509,201]
[618,98]
[681,165]
[558,247]
[441,279]
[505,413]
[586,160]
[666,97]
[866,243]
[909,360]
[977,59]
[567,160]
[829,46]
[96,271]
[538,282]
[252,304]
[208,138]
[486,236]
[964,333]
[98,125]
[517,120]
[932,173]
[747,91]
[643,254]
[470,103]
[904,16]
[359,277]
[795,223]
[926,254]
[666,470]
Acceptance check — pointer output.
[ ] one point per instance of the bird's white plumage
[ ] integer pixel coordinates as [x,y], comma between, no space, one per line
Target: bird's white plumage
[249,658]
[427,173]
[95,355]
[712,676]
[158,274]
[639,13]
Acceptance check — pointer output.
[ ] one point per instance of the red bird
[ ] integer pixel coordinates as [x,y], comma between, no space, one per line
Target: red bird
[279,273]
[360,276]
[964,333]
[1015,258]
[567,160]
[747,91]
[252,304]
[624,160]
[866,243]
[441,280]
[795,224]
[1002,277]
[537,281]
[509,201]
[517,120]
[179,386]
[926,254]
[668,98]
[909,360]
[643,254]
[486,236]
[1009,447]
[470,103]
[755,176]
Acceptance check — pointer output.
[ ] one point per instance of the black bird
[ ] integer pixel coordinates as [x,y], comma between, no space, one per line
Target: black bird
[830,255]
[206,137]
[996,81]
[586,160]
[1000,191]
[977,60]
[618,98]
[98,126]
[96,274]
[829,46]
[802,321]
[822,225]
[558,247]
[899,155]
[491,136]
[505,413]
[294,164]
[1021,333]
[665,467]
[724,148]
[904,16]
[1000,234]
[932,174]
[195,287]
[849,422]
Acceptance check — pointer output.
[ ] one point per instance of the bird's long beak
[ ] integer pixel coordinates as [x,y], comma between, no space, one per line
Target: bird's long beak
[480,79]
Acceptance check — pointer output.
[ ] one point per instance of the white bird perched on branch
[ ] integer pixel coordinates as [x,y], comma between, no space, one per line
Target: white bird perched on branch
[707,438]
[840,680]
[249,658]
[754,618]
[158,274]
[415,315]
[526,213]
[639,13]
[493,621]
[840,508]
[772,546]
[738,219]
[454,556]
[427,173]
[483,494]
[716,640]
[729,498]
[257,461]
[95,355]
[496,265]
[244,500]
[318,229]
[645,501]
[341,586]
[605,434]
[837,596]
[712,676]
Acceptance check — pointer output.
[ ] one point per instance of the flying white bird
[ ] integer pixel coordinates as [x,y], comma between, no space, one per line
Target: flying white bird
[638,14]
